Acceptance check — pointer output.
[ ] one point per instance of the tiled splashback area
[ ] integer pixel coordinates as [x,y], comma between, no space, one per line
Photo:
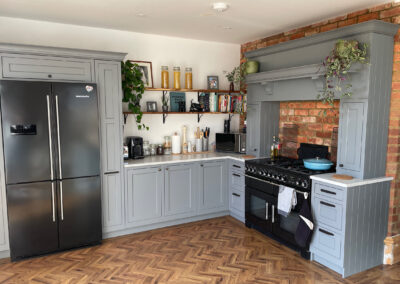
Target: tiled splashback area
[305,122]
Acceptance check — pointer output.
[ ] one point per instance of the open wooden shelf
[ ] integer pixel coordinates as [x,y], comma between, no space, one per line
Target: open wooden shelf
[193,90]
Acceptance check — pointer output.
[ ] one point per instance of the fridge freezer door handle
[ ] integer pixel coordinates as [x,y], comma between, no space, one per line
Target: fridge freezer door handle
[61,202]
[50,144]
[53,205]
[58,139]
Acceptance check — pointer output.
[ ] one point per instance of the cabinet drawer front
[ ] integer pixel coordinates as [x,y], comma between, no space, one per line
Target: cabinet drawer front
[327,244]
[328,213]
[237,166]
[236,180]
[47,68]
[329,192]
[237,200]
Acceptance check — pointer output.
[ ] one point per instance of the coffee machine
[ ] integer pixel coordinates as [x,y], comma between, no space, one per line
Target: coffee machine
[135,147]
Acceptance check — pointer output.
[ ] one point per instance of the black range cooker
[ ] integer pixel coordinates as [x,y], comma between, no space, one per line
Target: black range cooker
[263,177]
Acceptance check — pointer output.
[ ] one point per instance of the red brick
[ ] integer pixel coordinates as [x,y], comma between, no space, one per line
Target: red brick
[329,27]
[368,17]
[390,12]
[337,19]
[311,31]
[347,22]
[297,35]
[315,126]
[323,134]
[301,112]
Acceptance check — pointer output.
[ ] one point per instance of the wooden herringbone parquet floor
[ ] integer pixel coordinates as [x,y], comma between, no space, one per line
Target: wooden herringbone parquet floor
[219,250]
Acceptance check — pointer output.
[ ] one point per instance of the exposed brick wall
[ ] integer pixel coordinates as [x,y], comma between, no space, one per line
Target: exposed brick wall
[389,12]
[304,122]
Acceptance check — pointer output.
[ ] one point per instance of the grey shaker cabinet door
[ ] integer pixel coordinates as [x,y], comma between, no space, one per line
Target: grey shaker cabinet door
[253,129]
[112,202]
[351,137]
[144,189]
[47,68]
[110,105]
[213,187]
[180,189]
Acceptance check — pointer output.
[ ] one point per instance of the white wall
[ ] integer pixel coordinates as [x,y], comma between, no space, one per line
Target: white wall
[206,58]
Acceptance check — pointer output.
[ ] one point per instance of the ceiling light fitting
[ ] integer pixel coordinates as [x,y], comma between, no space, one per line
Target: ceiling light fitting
[220,7]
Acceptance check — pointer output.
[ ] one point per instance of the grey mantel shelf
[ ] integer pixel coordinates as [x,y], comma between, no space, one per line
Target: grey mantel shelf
[312,71]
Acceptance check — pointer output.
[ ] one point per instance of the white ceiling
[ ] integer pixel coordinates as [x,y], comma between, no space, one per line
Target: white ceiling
[248,19]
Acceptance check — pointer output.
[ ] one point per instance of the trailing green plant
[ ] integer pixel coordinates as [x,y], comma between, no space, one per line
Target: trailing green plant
[237,76]
[133,89]
[337,65]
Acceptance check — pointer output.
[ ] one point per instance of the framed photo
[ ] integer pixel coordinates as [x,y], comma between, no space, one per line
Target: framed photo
[147,72]
[151,106]
[212,82]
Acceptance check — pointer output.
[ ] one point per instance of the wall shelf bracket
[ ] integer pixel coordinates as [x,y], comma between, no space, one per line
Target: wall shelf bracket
[164,116]
[199,116]
[125,117]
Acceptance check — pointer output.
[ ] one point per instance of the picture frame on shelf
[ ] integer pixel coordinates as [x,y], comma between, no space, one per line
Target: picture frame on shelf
[147,72]
[151,106]
[212,82]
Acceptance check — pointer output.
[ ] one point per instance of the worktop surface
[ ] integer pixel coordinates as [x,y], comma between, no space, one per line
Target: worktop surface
[167,159]
[328,178]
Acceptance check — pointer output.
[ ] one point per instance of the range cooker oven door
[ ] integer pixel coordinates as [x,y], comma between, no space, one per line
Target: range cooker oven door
[260,209]
[285,227]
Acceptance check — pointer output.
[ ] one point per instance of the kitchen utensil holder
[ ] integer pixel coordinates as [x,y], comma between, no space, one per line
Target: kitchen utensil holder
[205,144]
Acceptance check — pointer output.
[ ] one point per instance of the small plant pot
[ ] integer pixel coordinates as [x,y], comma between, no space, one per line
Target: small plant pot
[165,108]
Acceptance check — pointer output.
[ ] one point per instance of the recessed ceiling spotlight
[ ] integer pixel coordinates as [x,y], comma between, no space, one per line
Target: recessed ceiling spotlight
[227,28]
[220,7]
[141,15]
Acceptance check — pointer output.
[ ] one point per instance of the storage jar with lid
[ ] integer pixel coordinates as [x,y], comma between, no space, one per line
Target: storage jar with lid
[177,77]
[164,77]
[188,78]
[146,148]
[160,149]
[153,149]
[167,145]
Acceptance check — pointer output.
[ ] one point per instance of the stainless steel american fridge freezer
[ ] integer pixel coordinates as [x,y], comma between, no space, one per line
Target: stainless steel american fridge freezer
[52,165]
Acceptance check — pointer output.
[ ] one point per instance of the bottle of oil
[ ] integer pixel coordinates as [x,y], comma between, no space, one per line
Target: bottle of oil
[272,153]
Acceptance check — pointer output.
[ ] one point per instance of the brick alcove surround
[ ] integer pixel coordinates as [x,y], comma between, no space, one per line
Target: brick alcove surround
[306,117]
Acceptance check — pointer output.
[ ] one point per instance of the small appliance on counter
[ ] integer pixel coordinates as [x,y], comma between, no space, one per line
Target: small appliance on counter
[231,142]
[135,147]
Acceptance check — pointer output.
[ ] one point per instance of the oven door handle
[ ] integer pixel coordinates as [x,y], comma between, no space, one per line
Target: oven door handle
[273,213]
[262,180]
[266,210]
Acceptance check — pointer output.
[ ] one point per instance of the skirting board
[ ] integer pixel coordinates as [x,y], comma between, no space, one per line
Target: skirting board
[392,250]
[4,254]
[163,224]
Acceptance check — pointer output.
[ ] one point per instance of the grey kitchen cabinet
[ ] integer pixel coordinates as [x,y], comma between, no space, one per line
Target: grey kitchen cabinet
[236,182]
[213,187]
[47,68]
[144,195]
[351,138]
[350,225]
[112,202]
[180,189]
[253,121]
[110,103]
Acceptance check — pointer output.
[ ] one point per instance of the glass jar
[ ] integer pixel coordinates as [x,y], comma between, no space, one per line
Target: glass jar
[160,149]
[153,150]
[188,78]
[177,77]
[146,148]
[167,145]
[164,77]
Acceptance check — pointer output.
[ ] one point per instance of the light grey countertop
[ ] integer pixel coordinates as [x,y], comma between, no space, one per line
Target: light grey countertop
[327,178]
[168,159]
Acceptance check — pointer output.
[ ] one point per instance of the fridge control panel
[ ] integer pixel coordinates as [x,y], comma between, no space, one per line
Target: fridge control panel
[20,129]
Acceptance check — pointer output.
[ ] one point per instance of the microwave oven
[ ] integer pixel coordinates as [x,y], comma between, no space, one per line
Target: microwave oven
[230,142]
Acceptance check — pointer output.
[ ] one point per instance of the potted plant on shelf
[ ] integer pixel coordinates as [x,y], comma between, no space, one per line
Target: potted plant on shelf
[236,76]
[165,103]
[337,65]
[133,89]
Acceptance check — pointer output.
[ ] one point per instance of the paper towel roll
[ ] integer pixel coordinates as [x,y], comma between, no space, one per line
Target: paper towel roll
[176,144]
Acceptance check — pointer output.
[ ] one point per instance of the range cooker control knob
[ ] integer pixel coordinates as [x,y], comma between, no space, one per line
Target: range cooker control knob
[283,178]
[304,184]
[297,182]
[260,172]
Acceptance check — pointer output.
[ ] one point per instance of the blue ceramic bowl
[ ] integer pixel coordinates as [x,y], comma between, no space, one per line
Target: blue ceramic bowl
[317,164]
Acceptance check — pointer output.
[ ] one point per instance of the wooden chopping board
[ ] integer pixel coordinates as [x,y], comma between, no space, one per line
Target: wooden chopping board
[342,177]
